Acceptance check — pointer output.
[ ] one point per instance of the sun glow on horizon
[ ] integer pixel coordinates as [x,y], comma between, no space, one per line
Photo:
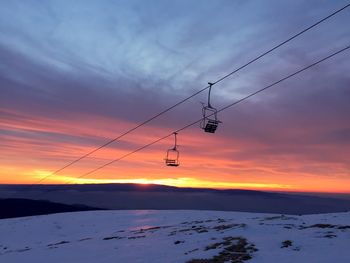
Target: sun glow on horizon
[180,182]
[181,178]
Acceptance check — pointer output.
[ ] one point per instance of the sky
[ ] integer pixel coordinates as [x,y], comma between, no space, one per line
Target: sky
[75,74]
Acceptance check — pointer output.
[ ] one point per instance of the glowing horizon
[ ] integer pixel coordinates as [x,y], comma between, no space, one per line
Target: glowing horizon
[191,183]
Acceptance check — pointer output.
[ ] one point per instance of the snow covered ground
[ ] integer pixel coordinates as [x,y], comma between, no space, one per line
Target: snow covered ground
[175,236]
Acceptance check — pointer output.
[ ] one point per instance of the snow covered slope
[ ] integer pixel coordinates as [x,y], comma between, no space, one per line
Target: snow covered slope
[175,236]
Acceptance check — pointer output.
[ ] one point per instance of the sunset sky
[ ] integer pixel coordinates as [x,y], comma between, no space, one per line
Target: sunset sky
[74,74]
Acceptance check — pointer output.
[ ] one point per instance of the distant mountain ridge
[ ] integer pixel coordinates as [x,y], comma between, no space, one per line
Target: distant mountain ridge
[127,187]
[160,197]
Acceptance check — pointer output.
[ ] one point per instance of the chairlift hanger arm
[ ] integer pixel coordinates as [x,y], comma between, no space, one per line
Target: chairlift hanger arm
[175,145]
[210,85]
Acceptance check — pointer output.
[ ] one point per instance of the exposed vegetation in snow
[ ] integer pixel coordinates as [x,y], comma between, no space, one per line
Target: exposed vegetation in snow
[175,236]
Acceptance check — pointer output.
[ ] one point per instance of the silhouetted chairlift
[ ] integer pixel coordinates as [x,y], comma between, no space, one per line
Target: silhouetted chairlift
[172,155]
[210,120]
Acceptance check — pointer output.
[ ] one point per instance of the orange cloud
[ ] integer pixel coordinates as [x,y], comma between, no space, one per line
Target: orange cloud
[206,160]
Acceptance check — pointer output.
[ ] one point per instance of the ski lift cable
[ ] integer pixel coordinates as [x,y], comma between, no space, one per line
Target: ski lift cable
[281,44]
[194,94]
[220,110]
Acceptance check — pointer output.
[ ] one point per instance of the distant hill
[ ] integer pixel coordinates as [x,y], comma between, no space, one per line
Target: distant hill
[120,187]
[16,207]
[130,187]
[160,197]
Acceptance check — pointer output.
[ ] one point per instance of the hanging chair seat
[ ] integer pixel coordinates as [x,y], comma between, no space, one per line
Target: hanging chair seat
[170,162]
[210,120]
[172,157]
[211,126]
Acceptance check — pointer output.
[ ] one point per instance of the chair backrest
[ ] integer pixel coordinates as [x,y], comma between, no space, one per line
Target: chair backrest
[209,122]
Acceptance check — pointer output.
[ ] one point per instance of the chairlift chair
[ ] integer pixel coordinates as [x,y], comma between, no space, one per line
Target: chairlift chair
[172,155]
[210,120]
